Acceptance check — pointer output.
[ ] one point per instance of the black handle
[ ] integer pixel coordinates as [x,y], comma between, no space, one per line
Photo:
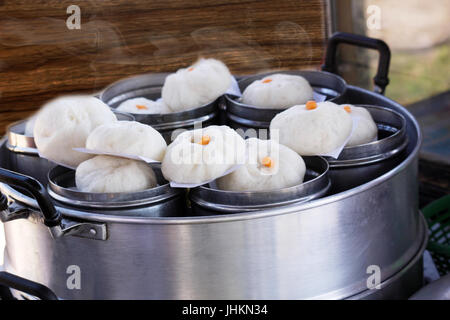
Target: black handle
[40,291]
[381,79]
[51,216]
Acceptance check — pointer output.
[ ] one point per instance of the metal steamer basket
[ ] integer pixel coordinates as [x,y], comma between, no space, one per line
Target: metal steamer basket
[149,86]
[325,82]
[207,200]
[243,116]
[327,247]
[160,201]
[23,157]
[359,164]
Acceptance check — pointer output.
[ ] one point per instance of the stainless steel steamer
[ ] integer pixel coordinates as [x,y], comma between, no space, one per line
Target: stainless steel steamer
[318,249]
[208,200]
[23,157]
[363,163]
[243,116]
[149,86]
[160,201]
[325,82]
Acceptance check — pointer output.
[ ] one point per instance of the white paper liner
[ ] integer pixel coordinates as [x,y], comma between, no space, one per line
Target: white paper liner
[193,185]
[58,163]
[336,152]
[174,184]
[234,88]
[115,154]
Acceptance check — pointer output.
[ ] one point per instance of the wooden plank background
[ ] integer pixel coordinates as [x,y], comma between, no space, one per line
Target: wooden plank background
[40,58]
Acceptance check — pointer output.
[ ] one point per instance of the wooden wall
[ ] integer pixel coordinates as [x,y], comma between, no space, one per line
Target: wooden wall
[41,58]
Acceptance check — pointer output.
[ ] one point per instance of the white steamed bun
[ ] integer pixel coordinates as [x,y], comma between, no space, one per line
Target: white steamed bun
[128,137]
[197,85]
[202,154]
[312,129]
[65,123]
[269,166]
[29,125]
[278,91]
[143,106]
[366,130]
[105,174]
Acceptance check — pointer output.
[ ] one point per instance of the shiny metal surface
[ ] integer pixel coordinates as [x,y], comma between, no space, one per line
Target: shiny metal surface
[61,187]
[436,290]
[149,86]
[360,164]
[317,249]
[18,141]
[402,284]
[392,139]
[245,116]
[22,155]
[207,200]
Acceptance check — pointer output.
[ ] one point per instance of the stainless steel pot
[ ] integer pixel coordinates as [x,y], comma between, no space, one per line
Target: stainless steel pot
[23,157]
[359,164]
[243,116]
[324,248]
[318,249]
[149,86]
[207,200]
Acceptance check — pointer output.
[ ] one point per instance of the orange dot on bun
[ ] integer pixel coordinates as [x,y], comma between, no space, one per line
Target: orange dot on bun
[205,140]
[311,105]
[267,162]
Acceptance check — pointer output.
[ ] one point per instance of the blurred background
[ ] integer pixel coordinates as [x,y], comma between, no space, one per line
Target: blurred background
[418,33]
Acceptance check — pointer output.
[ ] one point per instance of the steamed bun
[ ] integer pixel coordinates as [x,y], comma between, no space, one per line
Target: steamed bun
[312,129]
[65,123]
[143,106]
[269,166]
[193,87]
[366,130]
[203,154]
[29,126]
[128,137]
[106,174]
[278,91]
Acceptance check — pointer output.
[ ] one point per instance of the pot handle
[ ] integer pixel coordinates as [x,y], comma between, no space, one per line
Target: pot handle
[381,79]
[8,280]
[52,218]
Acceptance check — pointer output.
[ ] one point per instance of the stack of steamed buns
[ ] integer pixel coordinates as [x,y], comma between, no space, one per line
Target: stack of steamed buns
[195,157]
[86,122]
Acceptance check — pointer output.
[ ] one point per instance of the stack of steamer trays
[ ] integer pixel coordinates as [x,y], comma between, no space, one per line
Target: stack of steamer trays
[283,185]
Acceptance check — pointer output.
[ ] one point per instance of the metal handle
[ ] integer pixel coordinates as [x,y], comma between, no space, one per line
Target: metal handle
[12,281]
[381,79]
[52,217]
